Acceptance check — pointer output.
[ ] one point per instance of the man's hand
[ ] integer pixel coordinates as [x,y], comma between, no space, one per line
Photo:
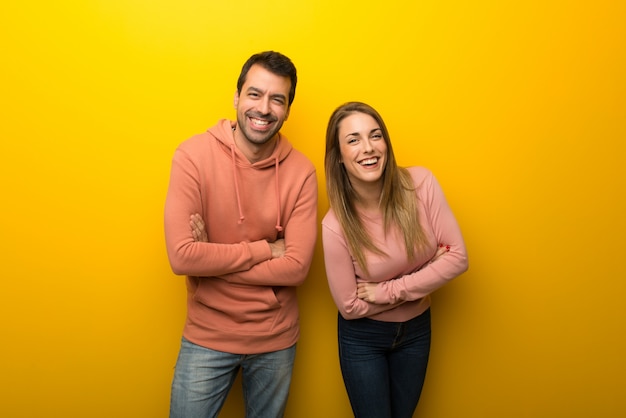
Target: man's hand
[278,248]
[198,230]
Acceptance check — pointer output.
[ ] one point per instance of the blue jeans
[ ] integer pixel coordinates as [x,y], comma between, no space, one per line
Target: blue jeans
[203,378]
[384,364]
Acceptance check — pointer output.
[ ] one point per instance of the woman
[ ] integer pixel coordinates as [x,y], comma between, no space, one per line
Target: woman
[390,240]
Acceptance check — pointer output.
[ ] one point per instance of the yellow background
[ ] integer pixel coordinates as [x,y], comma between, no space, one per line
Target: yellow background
[519,108]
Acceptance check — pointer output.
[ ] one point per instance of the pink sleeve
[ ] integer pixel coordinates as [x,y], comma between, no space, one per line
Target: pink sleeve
[186,256]
[342,279]
[300,237]
[432,276]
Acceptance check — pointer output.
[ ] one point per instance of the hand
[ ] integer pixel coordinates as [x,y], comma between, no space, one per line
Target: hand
[198,230]
[278,248]
[441,250]
[366,291]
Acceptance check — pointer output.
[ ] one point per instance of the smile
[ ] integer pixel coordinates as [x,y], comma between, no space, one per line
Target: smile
[259,122]
[369,161]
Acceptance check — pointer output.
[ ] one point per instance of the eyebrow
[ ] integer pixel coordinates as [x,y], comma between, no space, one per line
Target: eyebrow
[258,90]
[371,132]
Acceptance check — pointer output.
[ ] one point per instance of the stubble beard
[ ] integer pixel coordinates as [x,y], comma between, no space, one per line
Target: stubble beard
[254,137]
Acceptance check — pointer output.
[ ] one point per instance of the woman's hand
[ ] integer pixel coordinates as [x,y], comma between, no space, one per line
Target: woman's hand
[440,251]
[366,291]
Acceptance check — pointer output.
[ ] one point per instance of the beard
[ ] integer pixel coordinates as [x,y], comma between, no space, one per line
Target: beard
[253,136]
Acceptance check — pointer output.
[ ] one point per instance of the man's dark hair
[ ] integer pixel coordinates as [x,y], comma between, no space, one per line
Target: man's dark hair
[274,62]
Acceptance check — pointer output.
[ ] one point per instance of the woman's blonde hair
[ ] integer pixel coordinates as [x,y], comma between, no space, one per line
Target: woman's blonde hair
[398,199]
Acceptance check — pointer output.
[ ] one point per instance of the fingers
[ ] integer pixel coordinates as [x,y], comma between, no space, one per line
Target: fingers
[359,291]
[365,291]
[196,234]
[198,231]
[196,221]
[442,250]
[280,243]
[278,248]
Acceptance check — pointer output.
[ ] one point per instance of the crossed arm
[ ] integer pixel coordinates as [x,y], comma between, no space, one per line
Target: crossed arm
[367,290]
[198,231]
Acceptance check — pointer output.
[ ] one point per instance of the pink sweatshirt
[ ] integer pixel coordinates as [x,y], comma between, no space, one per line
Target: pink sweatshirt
[405,286]
[239,299]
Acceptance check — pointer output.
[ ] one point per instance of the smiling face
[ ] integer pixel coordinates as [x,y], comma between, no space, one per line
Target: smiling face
[262,106]
[363,150]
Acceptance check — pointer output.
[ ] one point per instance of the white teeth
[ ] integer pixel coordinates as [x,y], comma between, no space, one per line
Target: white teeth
[369,161]
[259,122]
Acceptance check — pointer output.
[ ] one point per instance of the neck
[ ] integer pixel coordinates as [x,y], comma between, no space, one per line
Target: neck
[254,152]
[369,199]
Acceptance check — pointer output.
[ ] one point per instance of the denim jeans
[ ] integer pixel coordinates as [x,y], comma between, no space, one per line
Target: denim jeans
[203,378]
[384,364]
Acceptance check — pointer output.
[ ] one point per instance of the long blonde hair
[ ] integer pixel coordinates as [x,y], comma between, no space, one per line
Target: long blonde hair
[398,199]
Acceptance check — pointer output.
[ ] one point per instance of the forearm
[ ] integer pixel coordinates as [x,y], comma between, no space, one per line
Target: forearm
[186,255]
[342,280]
[288,270]
[275,272]
[300,236]
[425,281]
[355,308]
[431,276]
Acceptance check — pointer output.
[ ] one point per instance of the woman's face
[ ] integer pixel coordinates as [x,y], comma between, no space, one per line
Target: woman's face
[363,149]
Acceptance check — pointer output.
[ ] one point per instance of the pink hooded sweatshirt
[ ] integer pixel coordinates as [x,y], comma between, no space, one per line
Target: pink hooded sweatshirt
[239,299]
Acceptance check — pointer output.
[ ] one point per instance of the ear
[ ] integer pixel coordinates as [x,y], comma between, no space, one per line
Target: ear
[236,99]
[287,114]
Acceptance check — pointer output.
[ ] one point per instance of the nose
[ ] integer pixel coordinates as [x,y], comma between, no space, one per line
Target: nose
[264,106]
[367,145]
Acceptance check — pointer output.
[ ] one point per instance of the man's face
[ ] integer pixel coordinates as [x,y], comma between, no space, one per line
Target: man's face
[262,105]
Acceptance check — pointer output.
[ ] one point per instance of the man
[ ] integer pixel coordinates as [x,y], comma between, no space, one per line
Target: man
[241,224]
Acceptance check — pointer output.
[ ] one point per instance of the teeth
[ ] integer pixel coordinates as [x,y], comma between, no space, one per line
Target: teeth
[369,161]
[259,122]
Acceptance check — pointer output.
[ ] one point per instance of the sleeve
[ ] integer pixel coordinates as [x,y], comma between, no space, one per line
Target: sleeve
[300,237]
[434,275]
[186,256]
[342,279]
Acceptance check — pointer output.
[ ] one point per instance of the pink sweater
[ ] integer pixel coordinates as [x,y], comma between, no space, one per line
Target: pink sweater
[405,286]
[239,299]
